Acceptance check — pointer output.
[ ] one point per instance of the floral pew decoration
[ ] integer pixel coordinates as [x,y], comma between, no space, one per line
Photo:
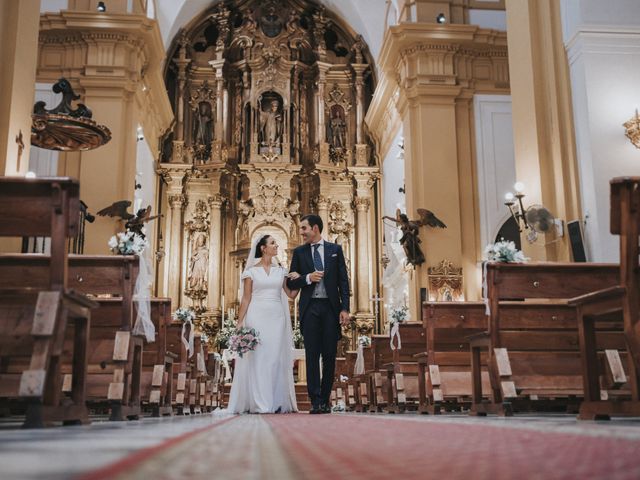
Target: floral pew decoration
[363,341]
[504,251]
[398,315]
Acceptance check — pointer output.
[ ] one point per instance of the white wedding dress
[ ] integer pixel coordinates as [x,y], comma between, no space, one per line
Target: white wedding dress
[263,378]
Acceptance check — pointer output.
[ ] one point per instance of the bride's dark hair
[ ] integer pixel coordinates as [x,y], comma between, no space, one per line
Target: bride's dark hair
[260,244]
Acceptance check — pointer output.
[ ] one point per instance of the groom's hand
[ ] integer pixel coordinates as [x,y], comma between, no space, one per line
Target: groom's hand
[316,276]
[345,318]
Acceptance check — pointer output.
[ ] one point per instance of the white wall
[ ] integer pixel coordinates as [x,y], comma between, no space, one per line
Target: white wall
[495,161]
[53,5]
[603,48]
[496,19]
[44,163]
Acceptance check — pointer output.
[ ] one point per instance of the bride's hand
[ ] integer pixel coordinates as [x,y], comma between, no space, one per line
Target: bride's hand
[293,275]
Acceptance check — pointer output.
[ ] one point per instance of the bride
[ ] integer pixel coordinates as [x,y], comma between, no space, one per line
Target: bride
[263,378]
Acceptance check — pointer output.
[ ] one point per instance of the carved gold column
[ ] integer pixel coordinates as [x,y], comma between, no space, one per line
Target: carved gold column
[216,202]
[182,62]
[361,147]
[177,202]
[322,203]
[322,129]
[363,239]
[543,131]
[218,140]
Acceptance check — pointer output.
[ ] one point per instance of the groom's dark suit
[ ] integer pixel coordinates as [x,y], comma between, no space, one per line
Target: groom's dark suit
[319,317]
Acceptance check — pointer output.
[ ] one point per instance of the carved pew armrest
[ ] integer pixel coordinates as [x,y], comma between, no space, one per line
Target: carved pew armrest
[604,295]
[481,339]
[421,357]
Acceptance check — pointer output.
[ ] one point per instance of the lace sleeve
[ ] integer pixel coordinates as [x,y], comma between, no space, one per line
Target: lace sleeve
[246,274]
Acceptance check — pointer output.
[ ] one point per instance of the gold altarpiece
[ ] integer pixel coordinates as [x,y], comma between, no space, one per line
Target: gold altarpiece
[269,101]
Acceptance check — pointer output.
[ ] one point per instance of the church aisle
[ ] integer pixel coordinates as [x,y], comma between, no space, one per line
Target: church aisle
[353,446]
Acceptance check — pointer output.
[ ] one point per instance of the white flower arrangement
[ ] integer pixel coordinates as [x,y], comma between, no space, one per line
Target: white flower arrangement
[504,251]
[184,315]
[399,314]
[128,243]
[364,341]
[229,329]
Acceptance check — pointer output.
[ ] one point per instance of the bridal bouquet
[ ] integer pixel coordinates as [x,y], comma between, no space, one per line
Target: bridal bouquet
[127,243]
[504,251]
[244,340]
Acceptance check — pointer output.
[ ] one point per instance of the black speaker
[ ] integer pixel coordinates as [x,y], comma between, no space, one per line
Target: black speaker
[423,295]
[577,245]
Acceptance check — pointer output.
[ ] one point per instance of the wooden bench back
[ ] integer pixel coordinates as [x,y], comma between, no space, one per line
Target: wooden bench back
[45,207]
[518,281]
[412,337]
[448,326]
[625,221]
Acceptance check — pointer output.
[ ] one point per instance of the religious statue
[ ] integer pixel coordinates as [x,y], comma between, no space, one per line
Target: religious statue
[203,118]
[410,230]
[337,129]
[199,264]
[271,124]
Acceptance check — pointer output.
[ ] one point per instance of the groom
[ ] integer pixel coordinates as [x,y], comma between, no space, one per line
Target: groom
[324,306]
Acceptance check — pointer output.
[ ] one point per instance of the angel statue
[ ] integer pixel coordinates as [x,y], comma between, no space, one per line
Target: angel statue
[410,229]
[134,223]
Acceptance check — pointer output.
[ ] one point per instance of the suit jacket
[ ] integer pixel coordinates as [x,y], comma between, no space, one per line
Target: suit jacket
[336,280]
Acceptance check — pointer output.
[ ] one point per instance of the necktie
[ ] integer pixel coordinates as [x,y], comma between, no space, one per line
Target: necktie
[317,259]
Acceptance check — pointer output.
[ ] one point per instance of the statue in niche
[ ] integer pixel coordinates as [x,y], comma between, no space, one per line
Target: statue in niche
[199,264]
[203,118]
[271,124]
[337,128]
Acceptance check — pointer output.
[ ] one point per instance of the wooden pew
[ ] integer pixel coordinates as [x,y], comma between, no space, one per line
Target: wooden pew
[115,354]
[34,321]
[157,365]
[620,303]
[444,367]
[181,367]
[532,345]
[402,371]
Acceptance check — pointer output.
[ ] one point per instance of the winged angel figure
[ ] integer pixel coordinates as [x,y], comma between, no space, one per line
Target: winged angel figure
[134,223]
[410,229]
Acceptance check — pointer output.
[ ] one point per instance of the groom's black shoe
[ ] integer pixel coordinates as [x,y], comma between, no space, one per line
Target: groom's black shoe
[325,408]
[315,410]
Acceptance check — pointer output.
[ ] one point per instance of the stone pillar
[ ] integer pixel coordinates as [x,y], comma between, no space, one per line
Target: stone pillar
[215,256]
[432,71]
[544,143]
[117,69]
[173,249]
[19,24]
[363,237]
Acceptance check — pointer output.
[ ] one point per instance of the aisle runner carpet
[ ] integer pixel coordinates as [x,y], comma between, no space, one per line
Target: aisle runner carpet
[360,447]
[377,448]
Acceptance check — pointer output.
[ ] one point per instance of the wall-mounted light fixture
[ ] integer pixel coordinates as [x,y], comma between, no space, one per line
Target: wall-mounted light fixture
[510,201]
[441,18]
[102,7]
[632,129]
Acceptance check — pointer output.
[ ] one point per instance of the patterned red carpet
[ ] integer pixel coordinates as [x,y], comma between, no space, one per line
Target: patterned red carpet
[367,447]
